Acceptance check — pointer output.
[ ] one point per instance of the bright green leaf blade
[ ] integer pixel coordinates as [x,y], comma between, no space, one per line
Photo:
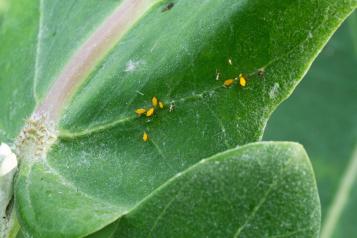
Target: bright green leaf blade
[258,190]
[327,127]
[99,159]
[17,51]
[37,39]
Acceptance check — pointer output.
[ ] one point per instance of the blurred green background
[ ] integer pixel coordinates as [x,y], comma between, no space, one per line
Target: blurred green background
[322,115]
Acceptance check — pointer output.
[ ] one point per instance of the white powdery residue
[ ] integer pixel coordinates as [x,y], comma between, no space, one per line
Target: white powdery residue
[274,91]
[132,65]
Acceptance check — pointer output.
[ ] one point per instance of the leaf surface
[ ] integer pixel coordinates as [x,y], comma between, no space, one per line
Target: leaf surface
[328,128]
[258,190]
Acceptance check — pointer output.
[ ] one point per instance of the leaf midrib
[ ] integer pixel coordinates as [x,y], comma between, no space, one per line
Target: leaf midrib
[265,196]
[86,57]
[38,51]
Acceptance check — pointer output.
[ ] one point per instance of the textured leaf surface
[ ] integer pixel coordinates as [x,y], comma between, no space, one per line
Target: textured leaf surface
[328,128]
[97,167]
[258,190]
[37,39]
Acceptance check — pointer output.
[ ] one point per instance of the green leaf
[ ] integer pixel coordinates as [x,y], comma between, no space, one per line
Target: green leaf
[258,190]
[79,69]
[37,39]
[327,128]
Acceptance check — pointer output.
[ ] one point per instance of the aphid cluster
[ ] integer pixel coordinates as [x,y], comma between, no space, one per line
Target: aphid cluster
[149,112]
[241,79]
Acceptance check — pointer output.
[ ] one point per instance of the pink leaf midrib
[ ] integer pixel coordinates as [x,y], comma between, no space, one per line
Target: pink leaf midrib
[86,57]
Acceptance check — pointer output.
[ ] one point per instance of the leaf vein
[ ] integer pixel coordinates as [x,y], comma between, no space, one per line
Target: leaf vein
[38,51]
[262,200]
[163,212]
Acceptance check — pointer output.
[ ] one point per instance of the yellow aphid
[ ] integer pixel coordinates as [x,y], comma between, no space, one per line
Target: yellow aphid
[161,105]
[145,137]
[230,62]
[150,112]
[242,80]
[140,111]
[228,82]
[154,101]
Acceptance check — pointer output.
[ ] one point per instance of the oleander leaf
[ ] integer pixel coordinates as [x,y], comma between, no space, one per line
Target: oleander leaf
[78,69]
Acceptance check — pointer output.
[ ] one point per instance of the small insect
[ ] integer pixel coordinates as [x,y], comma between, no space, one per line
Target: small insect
[150,112]
[230,61]
[145,137]
[140,111]
[161,105]
[242,80]
[227,83]
[154,101]
[172,107]
[168,7]
[218,75]
[261,72]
